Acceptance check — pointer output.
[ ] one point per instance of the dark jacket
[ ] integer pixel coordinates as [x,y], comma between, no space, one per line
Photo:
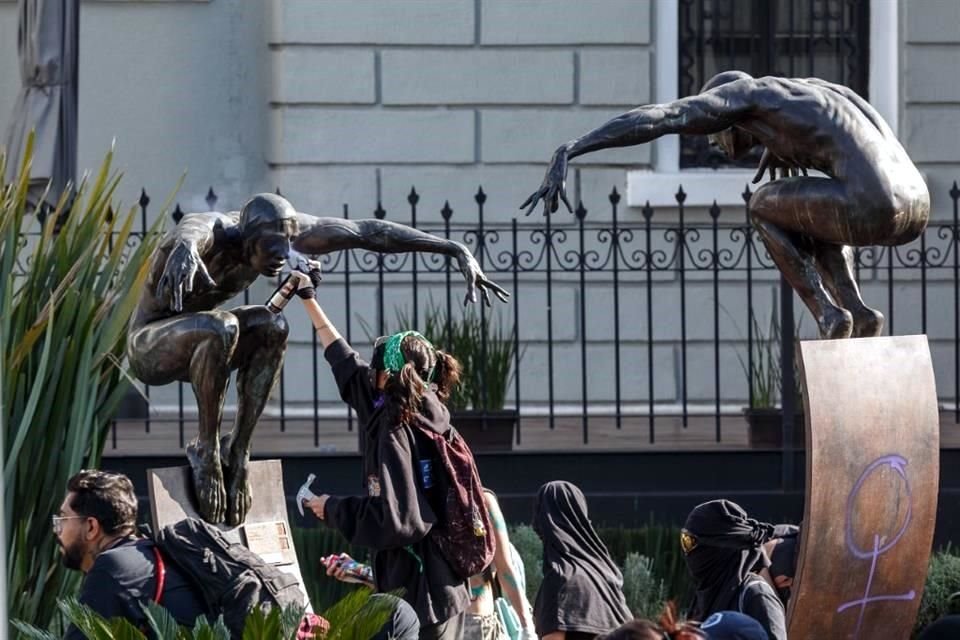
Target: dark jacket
[124,576]
[397,513]
[758,600]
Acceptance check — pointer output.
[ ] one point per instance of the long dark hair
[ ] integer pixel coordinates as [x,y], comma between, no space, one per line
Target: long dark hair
[425,367]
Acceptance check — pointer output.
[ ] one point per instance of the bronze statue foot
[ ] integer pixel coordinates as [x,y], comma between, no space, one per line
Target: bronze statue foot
[867,323]
[207,483]
[239,494]
[836,323]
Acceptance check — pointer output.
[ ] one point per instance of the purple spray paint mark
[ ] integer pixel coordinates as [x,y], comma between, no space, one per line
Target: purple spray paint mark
[897,463]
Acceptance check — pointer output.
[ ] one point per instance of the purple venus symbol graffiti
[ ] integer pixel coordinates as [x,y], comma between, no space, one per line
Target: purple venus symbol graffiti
[881,544]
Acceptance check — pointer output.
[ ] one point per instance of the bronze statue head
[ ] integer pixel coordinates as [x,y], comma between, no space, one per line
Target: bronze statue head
[735,142]
[267,223]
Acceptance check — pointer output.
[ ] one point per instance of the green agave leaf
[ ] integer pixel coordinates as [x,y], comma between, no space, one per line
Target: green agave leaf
[163,625]
[204,630]
[86,619]
[27,416]
[62,333]
[123,629]
[31,632]
[290,618]
[262,626]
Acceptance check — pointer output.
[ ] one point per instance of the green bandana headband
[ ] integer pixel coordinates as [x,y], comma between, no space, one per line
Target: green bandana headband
[393,359]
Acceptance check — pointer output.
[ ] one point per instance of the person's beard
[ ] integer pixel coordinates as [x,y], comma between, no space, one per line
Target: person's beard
[72,556]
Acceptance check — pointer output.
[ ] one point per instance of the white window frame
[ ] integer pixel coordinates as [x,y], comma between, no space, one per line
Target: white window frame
[703,186]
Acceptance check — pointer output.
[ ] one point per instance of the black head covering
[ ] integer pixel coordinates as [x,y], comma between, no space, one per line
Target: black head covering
[727,547]
[946,628]
[582,588]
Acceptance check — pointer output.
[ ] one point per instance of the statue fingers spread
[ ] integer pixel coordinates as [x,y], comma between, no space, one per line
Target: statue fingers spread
[178,296]
[498,291]
[162,286]
[188,279]
[563,196]
[202,268]
[532,201]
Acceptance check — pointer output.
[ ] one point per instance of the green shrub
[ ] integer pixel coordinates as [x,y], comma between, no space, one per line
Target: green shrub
[643,590]
[530,548]
[940,593]
[661,545]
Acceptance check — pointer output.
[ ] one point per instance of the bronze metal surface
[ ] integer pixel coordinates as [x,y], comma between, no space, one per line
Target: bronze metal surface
[872,479]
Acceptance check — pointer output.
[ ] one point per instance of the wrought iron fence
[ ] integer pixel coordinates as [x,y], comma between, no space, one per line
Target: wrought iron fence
[676,252]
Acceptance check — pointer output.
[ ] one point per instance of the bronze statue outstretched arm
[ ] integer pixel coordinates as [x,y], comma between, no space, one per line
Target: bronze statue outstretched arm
[706,113]
[325,235]
[186,244]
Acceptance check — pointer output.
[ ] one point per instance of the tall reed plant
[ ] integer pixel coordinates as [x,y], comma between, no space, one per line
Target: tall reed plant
[68,286]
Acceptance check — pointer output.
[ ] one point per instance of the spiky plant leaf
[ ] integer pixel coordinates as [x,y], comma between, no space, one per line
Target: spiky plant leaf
[65,298]
[262,626]
[162,623]
[204,630]
[290,620]
[123,629]
[91,624]
[359,615]
[30,632]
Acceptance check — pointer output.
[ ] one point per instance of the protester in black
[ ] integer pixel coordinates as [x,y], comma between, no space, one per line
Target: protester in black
[581,595]
[96,529]
[721,545]
[400,507]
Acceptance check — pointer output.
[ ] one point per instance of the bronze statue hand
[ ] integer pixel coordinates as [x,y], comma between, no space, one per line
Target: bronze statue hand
[476,279]
[554,186]
[183,264]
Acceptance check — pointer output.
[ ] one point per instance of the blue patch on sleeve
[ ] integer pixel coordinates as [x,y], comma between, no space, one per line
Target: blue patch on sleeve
[426,473]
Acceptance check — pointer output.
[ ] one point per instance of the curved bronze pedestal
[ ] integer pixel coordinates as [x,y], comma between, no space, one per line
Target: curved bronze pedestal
[873,439]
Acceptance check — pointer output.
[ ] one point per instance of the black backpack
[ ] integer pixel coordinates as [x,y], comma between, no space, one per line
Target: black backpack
[232,579]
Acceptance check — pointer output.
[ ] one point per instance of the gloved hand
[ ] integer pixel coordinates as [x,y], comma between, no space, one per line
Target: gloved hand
[316,275]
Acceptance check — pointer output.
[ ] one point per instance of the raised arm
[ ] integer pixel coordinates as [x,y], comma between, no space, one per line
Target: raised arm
[325,235]
[185,247]
[702,114]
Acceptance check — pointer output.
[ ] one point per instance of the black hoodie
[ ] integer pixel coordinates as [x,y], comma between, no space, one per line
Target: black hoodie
[727,548]
[397,513]
[582,588]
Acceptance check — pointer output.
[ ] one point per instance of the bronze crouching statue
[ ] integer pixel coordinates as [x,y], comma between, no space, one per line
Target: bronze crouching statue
[871,192]
[178,333]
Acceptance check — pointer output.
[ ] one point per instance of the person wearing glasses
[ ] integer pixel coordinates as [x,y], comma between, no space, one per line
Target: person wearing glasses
[722,546]
[96,531]
[405,384]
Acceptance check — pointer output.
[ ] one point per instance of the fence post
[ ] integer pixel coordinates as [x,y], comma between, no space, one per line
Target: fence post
[787,383]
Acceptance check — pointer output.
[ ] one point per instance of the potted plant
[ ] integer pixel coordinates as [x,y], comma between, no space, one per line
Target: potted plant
[486,350]
[764,375]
